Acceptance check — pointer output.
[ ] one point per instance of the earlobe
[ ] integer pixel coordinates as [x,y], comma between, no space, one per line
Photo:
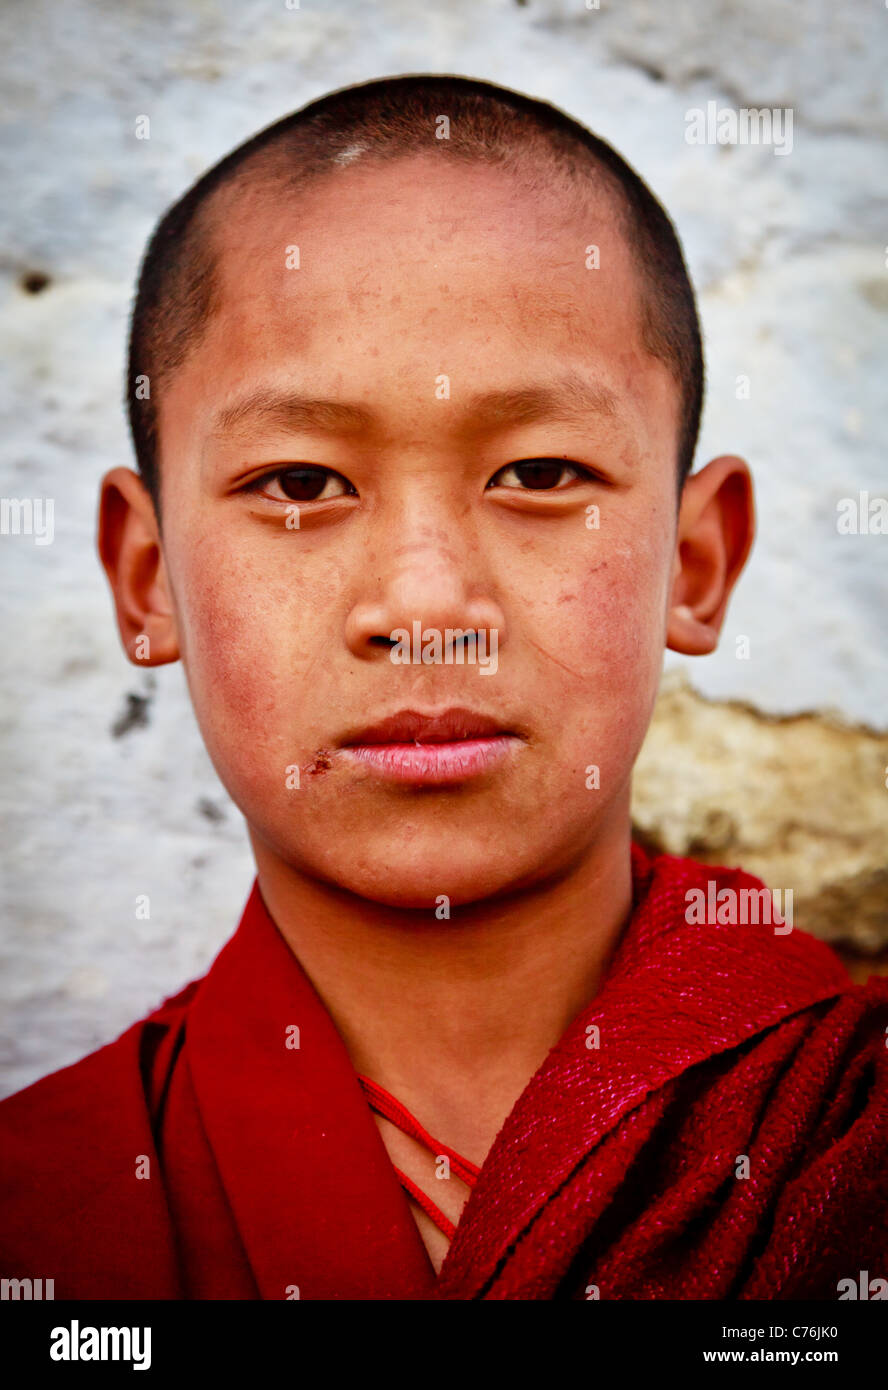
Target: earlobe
[131,553]
[716,527]
[685,632]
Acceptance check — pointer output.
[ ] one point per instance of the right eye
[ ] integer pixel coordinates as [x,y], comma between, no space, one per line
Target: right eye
[304,483]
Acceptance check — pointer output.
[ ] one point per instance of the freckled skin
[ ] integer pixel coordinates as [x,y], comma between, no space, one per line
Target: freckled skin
[403,277]
[412,270]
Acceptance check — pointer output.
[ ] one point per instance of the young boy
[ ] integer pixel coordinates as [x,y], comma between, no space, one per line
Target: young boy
[415,383]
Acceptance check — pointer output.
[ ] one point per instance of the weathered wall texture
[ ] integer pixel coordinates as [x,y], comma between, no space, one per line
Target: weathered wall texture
[797,799]
[107,793]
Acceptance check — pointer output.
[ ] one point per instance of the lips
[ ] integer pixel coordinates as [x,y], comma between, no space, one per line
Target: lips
[411,726]
[449,746]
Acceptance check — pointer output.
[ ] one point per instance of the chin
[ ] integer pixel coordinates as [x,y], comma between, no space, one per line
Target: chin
[431,885]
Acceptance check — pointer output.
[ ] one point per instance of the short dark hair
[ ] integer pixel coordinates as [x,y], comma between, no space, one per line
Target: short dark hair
[178,283]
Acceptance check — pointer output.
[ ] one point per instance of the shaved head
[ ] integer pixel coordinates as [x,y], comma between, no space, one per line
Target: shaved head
[452,118]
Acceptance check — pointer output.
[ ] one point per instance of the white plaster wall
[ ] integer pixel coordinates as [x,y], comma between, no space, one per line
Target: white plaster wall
[788,254]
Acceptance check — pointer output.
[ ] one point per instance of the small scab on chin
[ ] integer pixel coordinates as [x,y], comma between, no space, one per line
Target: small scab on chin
[321,762]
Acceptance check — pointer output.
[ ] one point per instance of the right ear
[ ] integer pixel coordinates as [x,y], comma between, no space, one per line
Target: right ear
[132,556]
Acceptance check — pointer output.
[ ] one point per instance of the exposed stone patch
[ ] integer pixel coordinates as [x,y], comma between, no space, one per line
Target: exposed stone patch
[800,801]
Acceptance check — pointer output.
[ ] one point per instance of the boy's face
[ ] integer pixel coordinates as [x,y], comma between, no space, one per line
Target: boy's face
[408,273]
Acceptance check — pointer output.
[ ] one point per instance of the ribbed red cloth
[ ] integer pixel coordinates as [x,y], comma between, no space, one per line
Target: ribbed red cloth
[722,1135]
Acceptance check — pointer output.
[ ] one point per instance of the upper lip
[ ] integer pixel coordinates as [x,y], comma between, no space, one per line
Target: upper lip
[413,726]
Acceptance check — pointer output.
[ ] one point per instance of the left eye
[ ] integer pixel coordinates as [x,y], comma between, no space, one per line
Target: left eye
[537,475]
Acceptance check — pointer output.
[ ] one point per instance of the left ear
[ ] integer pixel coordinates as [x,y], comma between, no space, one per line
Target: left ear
[716,527]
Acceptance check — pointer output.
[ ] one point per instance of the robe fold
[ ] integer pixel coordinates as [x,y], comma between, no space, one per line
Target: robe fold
[713,1124]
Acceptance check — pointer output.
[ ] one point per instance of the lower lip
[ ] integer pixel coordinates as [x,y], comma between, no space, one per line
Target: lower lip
[433,763]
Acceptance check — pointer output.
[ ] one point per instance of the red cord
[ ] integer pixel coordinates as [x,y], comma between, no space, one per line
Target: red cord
[391,1109]
[434,1213]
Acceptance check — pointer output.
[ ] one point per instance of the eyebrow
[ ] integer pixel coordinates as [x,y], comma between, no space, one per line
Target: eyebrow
[571,398]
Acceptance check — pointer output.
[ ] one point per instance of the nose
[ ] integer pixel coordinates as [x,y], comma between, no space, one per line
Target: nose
[432,579]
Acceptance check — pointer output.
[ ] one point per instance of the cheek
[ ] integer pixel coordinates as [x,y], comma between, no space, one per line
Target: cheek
[230,641]
[608,623]
[621,610]
[609,614]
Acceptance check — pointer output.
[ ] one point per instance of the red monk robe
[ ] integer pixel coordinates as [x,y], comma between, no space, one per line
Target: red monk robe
[617,1174]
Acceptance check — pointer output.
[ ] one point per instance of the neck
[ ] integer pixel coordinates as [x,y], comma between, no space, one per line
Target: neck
[444,1010]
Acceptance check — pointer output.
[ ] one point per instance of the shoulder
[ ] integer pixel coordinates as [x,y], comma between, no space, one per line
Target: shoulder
[847,1042]
[828,1114]
[842,1040]
[68,1140]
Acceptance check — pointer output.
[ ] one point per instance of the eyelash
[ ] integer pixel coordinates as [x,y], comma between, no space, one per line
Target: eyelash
[582,475]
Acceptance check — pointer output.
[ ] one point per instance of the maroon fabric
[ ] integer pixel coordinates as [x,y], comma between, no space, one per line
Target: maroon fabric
[615,1175]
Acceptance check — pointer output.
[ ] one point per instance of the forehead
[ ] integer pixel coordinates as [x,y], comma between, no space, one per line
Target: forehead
[374,280]
[430,228]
